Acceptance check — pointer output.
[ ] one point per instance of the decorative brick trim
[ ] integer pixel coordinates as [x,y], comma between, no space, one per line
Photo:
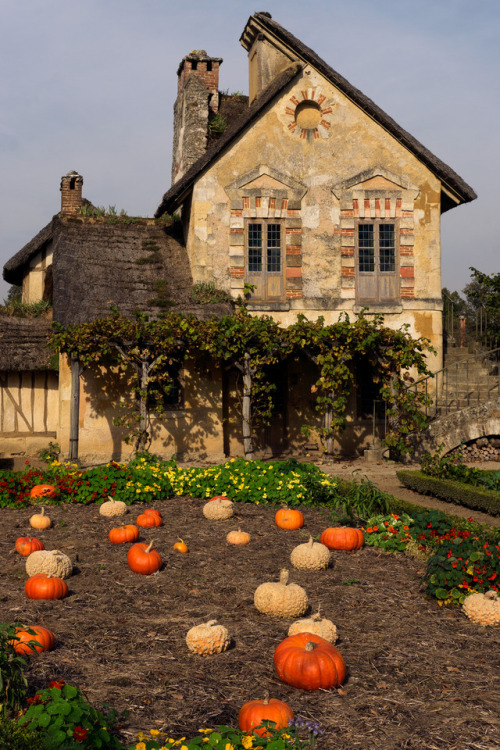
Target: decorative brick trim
[293,272]
[236,272]
[292,212]
[293,250]
[347,271]
[236,230]
[236,212]
[293,294]
[407,293]
[347,252]
[406,272]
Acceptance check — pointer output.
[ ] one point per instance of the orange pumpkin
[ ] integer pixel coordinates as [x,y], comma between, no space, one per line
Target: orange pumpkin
[218,497]
[253,713]
[150,511]
[143,559]
[149,520]
[309,662]
[43,636]
[25,545]
[43,490]
[288,518]
[124,534]
[42,586]
[181,546]
[342,538]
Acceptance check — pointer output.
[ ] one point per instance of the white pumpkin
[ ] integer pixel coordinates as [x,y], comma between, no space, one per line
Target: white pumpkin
[281,599]
[112,508]
[219,509]
[317,625]
[310,556]
[51,562]
[208,638]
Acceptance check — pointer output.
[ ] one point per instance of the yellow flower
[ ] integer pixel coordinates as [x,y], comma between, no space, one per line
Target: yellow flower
[140,746]
[229,746]
[154,732]
[184,747]
[247,741]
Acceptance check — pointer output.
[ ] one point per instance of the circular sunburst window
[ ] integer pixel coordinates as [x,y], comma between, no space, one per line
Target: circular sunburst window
[308,115]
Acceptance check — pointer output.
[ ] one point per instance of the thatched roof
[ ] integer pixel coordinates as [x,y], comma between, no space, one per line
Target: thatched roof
[139,265]
[262,22]
[13,270]
[23,344]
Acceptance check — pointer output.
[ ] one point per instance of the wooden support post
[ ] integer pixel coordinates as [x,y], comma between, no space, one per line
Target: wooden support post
[74,409]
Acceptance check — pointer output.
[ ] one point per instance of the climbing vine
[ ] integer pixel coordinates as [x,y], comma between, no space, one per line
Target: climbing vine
[149,352]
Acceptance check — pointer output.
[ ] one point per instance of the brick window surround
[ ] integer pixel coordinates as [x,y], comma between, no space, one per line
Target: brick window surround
[265,193]
[378,196]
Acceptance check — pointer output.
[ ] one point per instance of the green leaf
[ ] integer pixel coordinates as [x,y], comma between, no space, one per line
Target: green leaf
[44,720]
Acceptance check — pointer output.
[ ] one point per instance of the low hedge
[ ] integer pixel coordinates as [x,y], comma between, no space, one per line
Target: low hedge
[451,491]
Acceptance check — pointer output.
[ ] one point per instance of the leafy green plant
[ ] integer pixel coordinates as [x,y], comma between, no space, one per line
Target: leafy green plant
[15,737]
[206,293]
[67,720]
[300,734]
[389,532]
[17,309]
[51,453]
[13,683]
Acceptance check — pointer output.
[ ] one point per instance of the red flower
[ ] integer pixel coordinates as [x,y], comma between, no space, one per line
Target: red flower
[56,684]
[80,734]
[36,699]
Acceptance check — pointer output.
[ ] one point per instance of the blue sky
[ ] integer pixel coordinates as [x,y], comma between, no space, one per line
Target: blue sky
[91,87]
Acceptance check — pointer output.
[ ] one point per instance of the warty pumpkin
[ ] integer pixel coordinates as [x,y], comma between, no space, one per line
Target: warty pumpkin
[483,608]
[342,538]
[143,558]
[280,599]
[25,545]
[289,518]
[317,625]
[124,534]
[51,562]
[43,637]
[310,556]
[42,586]
[309,662]
[112,508]
[253,713]
[208,638]
[40,520]
[218,509]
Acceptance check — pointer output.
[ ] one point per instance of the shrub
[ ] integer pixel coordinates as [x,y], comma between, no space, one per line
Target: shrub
[452,491]
[66,719]
[13,683]
[15,737]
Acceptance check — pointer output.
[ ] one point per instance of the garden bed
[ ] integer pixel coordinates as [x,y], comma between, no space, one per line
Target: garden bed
[419,675]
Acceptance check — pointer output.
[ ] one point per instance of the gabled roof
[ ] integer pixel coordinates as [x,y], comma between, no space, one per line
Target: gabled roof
[455,189]
[14,269]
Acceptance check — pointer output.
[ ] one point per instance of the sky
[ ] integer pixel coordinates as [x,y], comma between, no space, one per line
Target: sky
[91,87]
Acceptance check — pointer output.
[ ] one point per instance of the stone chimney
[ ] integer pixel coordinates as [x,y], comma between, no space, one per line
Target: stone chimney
[71,193]
[197,101]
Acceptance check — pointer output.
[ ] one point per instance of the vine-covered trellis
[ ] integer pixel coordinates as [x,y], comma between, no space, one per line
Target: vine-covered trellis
[149,351]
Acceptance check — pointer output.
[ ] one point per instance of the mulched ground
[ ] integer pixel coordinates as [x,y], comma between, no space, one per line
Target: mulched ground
[418,676]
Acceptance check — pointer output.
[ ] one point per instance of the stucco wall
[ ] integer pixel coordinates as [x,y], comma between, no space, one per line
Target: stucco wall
[346,155]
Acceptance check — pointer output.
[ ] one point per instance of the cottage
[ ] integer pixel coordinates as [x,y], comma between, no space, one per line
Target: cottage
[309,193]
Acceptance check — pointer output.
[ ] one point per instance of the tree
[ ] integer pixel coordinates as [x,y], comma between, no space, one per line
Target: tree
[148,352]
[251,344]
[483,292]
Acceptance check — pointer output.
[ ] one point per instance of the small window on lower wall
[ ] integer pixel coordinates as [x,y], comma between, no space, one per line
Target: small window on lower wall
[264,259]
[168,395]
[377,262]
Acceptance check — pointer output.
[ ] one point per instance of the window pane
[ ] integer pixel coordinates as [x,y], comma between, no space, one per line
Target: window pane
[366,248]
[255,247]
[274,247]
[387,247]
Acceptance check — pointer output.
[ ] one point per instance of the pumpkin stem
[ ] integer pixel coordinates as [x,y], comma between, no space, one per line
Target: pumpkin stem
[150,546]
[43,511]
[284,577]
[310,646]
[210,623]
[311,541]
[180,540]
[266,698]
